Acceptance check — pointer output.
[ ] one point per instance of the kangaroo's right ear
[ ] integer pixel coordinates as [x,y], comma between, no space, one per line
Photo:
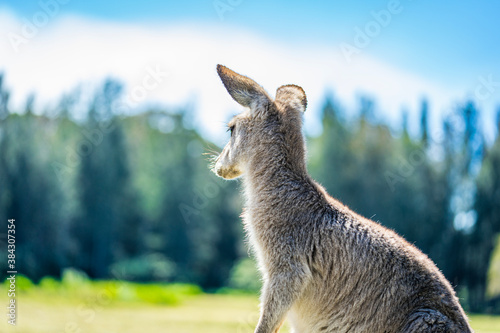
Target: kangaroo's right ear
[243,89]
[292,96]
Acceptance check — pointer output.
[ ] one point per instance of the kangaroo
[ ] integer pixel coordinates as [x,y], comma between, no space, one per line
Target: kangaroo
[326,267]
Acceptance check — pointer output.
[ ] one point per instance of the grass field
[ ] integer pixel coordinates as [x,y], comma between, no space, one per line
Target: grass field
[177,309]
[195,314]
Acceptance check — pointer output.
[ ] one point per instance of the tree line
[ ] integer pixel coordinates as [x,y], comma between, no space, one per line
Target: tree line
[132,197]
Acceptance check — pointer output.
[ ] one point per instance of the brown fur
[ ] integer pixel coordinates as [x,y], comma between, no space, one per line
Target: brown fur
[328,268]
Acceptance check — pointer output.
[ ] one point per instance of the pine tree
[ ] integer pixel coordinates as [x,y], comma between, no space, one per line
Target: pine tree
[424,123]
[487,227]
[108,226]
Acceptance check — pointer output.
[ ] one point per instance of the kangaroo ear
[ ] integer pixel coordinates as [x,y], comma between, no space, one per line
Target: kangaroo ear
[243,89]
[292,96]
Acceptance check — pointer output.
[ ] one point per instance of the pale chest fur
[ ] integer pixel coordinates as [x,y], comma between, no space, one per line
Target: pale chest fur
[255,240]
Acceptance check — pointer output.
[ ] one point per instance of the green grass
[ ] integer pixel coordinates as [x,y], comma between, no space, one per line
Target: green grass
[38,313]
[485,324]
[114,306]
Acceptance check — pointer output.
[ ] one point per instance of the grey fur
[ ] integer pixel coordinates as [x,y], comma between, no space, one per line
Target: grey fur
[328,268]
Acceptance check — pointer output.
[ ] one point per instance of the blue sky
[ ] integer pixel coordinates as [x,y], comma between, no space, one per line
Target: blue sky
[431,36]
[446,44]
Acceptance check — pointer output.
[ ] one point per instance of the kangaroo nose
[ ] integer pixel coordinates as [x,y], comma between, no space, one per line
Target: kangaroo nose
[217,169]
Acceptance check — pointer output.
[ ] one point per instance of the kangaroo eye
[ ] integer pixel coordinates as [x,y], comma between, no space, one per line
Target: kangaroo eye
[231,129]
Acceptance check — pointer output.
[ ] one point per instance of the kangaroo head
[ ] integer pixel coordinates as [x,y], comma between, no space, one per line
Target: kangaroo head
[267,129]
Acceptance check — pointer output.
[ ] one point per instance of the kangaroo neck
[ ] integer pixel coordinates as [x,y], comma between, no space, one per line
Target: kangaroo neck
[272,172]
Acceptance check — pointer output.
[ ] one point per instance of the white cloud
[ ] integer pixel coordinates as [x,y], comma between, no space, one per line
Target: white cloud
[71,50]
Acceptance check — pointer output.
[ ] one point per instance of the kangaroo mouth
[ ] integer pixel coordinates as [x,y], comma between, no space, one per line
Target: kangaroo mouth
[227,173]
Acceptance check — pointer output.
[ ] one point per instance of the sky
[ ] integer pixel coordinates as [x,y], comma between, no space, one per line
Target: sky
[165,53]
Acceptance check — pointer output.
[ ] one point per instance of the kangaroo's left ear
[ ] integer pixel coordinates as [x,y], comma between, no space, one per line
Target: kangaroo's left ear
[292,96]
[243,89]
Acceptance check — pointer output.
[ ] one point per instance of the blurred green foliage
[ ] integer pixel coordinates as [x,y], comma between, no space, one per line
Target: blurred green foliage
[76,285]
[493,286]
[245,276]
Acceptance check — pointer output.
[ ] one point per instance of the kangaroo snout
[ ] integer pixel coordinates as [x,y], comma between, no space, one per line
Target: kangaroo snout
[225,170]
